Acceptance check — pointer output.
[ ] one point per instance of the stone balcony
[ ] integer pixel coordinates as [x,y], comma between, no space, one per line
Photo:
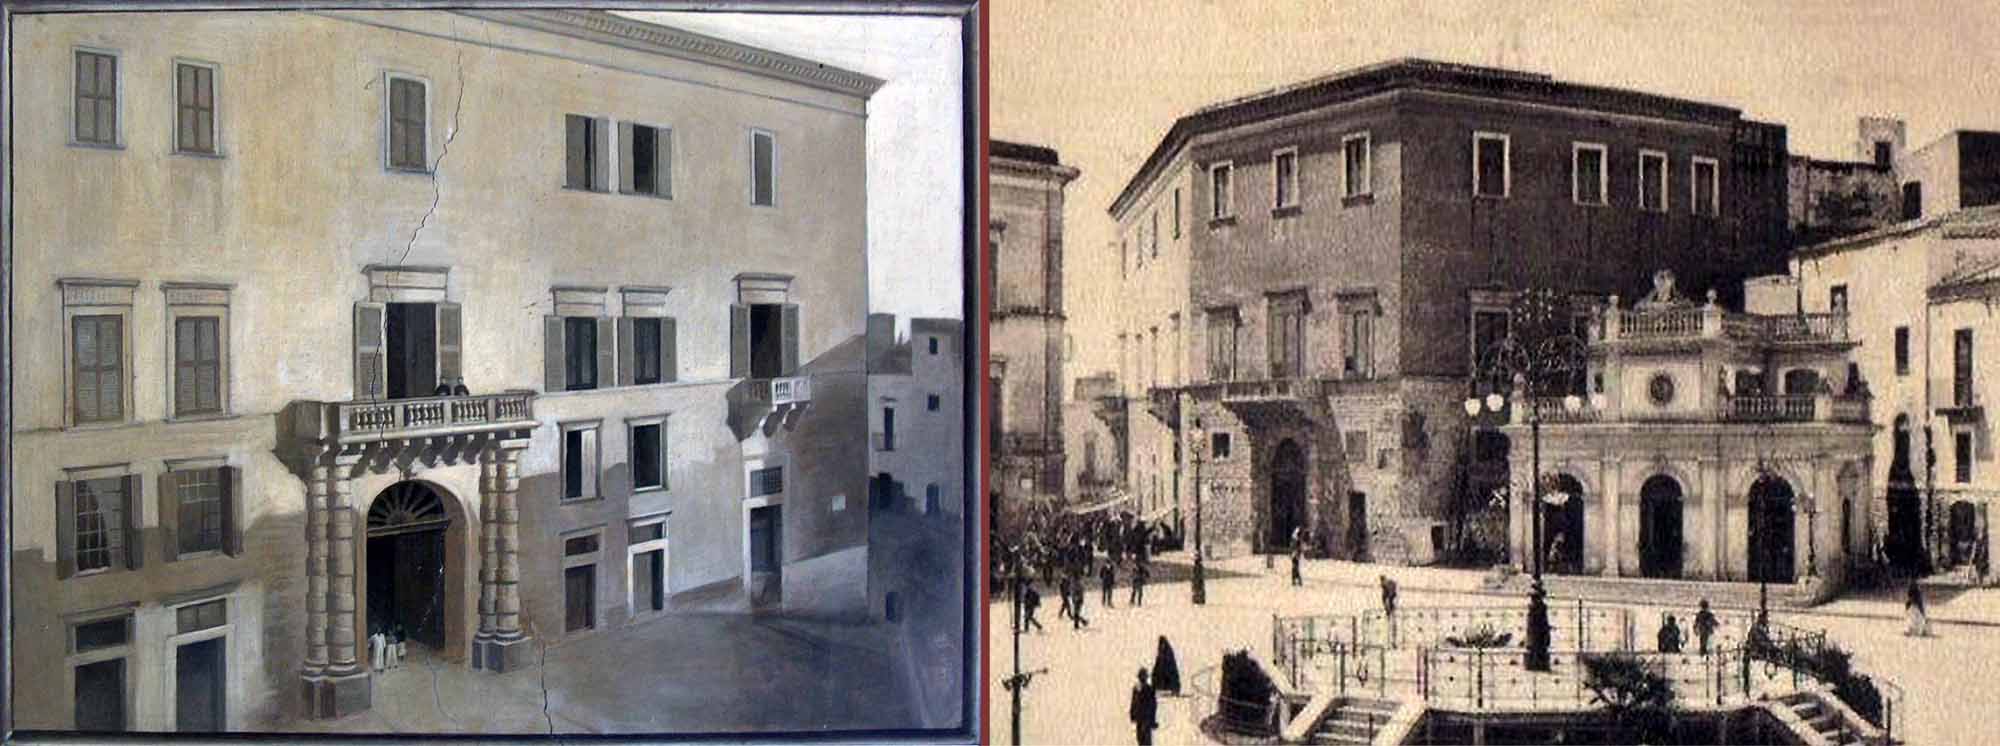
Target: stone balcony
[1710,322]
[766,403]
[355,423]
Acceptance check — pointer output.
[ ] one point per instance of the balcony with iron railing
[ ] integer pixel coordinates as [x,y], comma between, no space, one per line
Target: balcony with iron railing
[360,422]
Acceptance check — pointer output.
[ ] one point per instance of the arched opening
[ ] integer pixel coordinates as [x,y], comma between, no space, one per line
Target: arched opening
[1772,530]
[1562,526]
[1660,546]
[1749,383]
[1964,523]
[411,574]
[1801,381]
[1288,494]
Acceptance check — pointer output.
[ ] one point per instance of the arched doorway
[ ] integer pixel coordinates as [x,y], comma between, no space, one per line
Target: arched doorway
[409,575]
[1288,493]
[1772,530]
[1562,526]
[1660,545]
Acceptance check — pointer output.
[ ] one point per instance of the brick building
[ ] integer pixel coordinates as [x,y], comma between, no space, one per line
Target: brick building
[1307,272]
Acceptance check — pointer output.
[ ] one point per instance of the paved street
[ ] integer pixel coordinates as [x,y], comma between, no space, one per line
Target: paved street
[679,674]
[1083,696]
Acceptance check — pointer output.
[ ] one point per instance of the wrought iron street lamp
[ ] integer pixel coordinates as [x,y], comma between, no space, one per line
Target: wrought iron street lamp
[1540,356]
[1812,536]
[1195,451]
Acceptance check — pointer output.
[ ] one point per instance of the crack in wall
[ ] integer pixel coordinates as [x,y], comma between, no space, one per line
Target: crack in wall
[437,189]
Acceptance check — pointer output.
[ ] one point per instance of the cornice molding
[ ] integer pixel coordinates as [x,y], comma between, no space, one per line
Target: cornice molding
[603,27]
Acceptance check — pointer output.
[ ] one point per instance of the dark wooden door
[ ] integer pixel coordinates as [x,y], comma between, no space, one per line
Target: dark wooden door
[200,671]
[100,696]
[580,598]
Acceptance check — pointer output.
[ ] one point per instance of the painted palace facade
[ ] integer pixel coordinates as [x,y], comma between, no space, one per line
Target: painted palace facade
[482,327]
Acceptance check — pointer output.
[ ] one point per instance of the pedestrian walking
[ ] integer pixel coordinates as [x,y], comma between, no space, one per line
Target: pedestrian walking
[1031,600]
[1670,636]
[1913,608]
[1076,603]
[1140,574]
[1704,626]
[1144,709]
[1108,576]
[1064,591]
[1166,670]
[1389,609]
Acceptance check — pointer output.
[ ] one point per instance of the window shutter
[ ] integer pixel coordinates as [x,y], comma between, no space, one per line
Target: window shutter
[185,361]
[591,462]
[625,157]
[232,511]
[135,549]
[607,352]
[553,366]
[450,355]
[669,352]
[370,365]
[791,339]
[170,515]
[739,341]
[626,354]
[575,132]
[65,529]
[663,162]
[600,171]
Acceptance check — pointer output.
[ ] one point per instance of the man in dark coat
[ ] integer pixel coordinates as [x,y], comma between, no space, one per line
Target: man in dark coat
[1068,608]
[1166,670]
[1076,620]
[1704,625]
[1298,556]
[1139,577]
[1031,600]
[1108,576]
[1144,710]
[1670,636]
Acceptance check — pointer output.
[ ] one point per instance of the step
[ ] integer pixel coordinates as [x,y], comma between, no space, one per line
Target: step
[1339,740]
[1378,706]
[1346,728]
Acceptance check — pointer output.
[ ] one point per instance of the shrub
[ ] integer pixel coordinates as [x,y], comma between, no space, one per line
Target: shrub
[1246,694]
[1639,699]
[1482,636]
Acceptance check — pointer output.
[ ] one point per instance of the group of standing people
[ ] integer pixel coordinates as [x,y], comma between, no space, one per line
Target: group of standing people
[386,649]
[1165,678]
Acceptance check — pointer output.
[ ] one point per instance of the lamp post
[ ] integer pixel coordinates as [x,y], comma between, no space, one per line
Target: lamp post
[1540,354]
[1200,583]
[1812,536]
[1018,681]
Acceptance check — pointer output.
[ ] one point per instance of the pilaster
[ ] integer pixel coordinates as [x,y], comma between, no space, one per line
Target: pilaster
[501,645]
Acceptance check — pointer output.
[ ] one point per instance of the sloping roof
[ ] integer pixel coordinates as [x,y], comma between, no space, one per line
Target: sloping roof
[1356,83]
[1972,222]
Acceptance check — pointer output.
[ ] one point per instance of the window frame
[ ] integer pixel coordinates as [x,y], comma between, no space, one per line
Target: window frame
[633,549]
[590,483]
[117,141]
[1506,163]
[1279,180]
[1222,209]
[1367,140]
[591,559]
[572,355]
[751,140]
[74,659]
[223,498]
[1714,206]
[1660,189]
[214,108]
[389,78]
[628,179]
[98,297]
[1177,214]
[198,300]
[632,426]
[1576,151]
[1901,348]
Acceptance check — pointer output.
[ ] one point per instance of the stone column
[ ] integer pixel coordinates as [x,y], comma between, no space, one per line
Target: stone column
[506,648]
[488,539]
[1612,543]
[1711,533]
[317,472]
[341,685]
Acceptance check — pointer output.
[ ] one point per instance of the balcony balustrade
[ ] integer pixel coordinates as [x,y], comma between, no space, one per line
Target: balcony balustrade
[779,392]
[353,422]
[1711,322]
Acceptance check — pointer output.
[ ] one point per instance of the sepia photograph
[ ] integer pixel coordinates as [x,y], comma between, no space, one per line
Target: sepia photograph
[491,370]
[1492,373]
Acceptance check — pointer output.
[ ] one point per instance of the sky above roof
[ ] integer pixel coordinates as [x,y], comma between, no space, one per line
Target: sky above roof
[1102,82]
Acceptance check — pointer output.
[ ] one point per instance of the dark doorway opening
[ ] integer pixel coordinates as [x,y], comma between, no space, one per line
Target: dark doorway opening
[1357,525]
[1288,495]
[766,547]
[1771,530]
[579,598]
[1964,523]
[1562,527]
[406,564]
[1660,545]
[649,580]
[411,349]
[100,696]
[767,352]
[200,672]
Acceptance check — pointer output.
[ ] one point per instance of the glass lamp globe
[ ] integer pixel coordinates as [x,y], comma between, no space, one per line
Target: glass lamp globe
[1496,402]
[1472,407]
[1573,403]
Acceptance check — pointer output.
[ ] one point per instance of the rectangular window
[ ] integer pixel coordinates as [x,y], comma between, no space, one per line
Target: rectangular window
[201,500]
[1285,178]
[767,481]
[1219,445]
[408,124]
[1962,456]
[1961,366]
[1902,350]
[1652,181]
[1153,235]
[194,97]
[96,98]
[1491,170]
[887,441]
[583,153]
[197,365]
[1222,326]
[1881,154]
[1489,327]
[645,351]
[931,402]
[579,353]
[1222,194]
[98,349]
[1357,446]
[1359,362]
[100,635]
[1177,213]
[579,465]
[1587,174]
[100,520]
[1357,172]
[578,545]
[763,168]
[649,457]
[933,345]
[1836,299]
[201,616]
[1287,315]
[1913,200]
[648,532]
[1706,187]
[648,159]
[647,546]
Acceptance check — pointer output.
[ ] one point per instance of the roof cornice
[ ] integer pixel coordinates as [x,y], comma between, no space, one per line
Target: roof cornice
[606,28]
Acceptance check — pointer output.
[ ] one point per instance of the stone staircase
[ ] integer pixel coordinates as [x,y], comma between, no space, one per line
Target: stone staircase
[1662,592]
[1354,720]
[1828,723]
